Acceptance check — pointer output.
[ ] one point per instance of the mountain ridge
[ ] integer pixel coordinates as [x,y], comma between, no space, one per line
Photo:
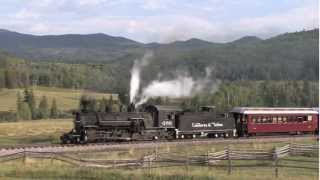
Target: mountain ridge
[100,47]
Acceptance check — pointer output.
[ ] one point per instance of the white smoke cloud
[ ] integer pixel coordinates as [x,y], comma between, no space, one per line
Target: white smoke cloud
[135,74]
[182,86]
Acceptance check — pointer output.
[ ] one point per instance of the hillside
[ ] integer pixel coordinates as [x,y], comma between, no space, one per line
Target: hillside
[68,47]
[290,56]
[286,57]
[299,46]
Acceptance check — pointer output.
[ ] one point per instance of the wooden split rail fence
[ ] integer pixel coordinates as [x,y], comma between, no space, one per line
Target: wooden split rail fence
[212,159]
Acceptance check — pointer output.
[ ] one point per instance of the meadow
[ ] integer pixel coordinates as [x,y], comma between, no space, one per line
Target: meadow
[48,131]
[33,131]
[34,168]
[67,99]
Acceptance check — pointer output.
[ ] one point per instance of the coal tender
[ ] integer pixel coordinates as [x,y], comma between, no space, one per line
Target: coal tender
[204,123]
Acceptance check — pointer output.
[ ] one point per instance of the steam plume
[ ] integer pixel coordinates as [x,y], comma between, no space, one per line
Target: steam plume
[135,74]
[182,86]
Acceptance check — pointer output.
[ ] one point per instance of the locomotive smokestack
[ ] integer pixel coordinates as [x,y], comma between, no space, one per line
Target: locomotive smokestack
[131,107]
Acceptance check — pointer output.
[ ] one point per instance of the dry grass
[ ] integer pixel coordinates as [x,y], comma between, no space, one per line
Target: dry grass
[48,169]
[41,131]
[34,131]
[185,150]
[66,98]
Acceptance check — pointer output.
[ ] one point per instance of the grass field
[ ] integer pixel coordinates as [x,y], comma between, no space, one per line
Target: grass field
[48,131]
[33,131]
[52,169]
[66,98]
[45,169]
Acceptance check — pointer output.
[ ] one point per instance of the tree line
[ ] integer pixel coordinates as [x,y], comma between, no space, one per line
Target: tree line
[228,95]
[91,104]
[27,108]
[252,94]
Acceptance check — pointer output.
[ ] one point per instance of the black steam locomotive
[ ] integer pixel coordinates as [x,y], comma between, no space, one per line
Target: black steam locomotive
[150,123]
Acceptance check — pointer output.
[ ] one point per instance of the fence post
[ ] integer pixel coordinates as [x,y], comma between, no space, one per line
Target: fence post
[207,158]
[149,165]
[156,153]
[24,156]
[229,159]
[275,158]
[51,158]
[290,148]
[187,164]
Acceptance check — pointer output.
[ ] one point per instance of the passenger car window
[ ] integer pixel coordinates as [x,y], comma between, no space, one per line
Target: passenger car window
[279,119]
[284,120]
[264,120]
[254,120]
[274,120]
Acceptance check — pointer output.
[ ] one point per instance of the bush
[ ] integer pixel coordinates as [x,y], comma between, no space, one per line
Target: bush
[7,116]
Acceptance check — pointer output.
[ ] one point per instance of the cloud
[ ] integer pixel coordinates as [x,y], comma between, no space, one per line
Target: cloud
[26,14]
[155,4]
[162,21]
[294,20]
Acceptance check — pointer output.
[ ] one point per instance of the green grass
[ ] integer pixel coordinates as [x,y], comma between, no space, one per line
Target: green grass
[66,99]
[33,131]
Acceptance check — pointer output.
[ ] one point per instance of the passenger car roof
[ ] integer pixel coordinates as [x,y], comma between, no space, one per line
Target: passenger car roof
[273,110]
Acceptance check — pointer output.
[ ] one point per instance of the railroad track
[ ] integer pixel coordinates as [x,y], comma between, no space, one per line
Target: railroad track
[96,147]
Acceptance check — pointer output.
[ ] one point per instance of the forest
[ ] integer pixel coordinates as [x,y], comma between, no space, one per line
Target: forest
[280,71]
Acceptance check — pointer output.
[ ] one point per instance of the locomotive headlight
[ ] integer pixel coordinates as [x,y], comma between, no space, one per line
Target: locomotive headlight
[234,132]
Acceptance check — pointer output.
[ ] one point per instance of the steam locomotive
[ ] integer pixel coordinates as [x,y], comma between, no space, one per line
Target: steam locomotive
[153,122]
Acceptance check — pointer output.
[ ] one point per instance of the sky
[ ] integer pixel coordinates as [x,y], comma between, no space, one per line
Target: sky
[161,20]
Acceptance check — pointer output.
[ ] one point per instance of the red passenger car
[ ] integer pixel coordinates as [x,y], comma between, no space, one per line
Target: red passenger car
[253,121]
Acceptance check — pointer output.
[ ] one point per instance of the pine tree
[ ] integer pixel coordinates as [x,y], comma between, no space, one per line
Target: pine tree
[31,101]
[43,108]
[11,79]
[2,79]
[115,107]
[19,105]
[33,105]
[25,112]
[306,93]
[54,109]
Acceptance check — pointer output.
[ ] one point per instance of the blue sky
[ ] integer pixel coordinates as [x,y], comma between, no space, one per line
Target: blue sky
[160,20]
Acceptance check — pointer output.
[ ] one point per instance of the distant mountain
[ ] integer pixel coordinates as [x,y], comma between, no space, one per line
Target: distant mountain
[105,62]
[289,56]
[75,47]
[286,56]
[90,47]
[11,39]
[247,39]
[192,43]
